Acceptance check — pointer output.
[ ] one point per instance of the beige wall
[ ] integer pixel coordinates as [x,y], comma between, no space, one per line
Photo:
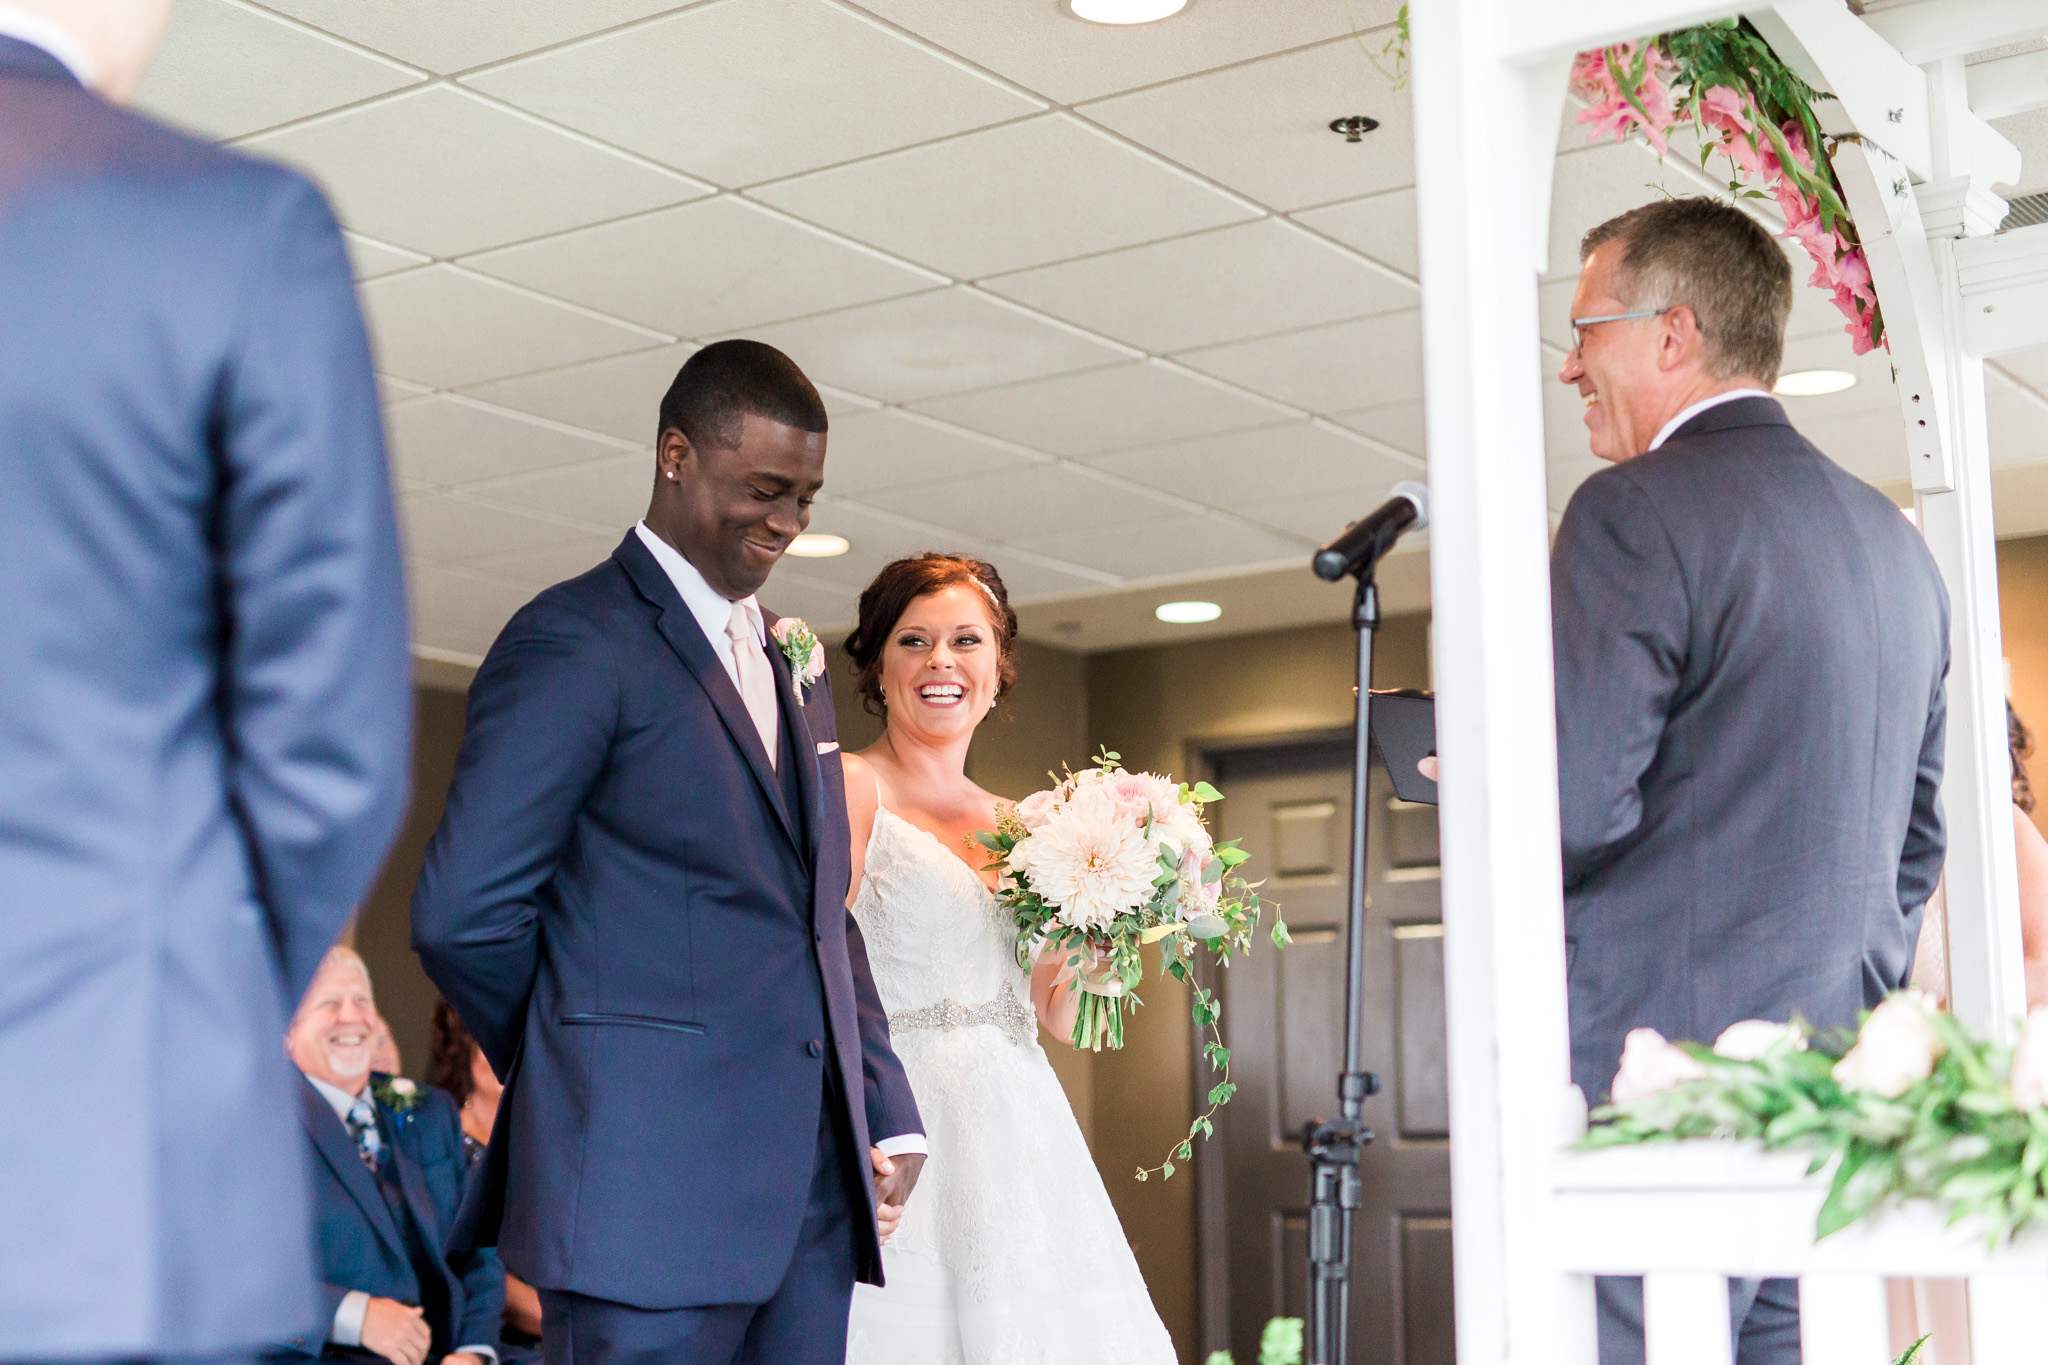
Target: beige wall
[383,933]
[2023,619]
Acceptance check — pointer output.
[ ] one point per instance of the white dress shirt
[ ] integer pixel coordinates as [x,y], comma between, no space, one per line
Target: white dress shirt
[1696,409]
[348,1315]
[714,612]
[52,37]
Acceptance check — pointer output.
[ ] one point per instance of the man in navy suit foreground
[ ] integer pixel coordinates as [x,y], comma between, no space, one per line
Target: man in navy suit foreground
[637,903]
[205,701]
[388,1175]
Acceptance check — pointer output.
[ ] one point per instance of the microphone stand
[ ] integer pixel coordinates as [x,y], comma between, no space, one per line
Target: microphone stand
[1335,1145]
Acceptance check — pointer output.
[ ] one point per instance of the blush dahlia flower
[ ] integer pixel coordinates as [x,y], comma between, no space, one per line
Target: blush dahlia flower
[1090,859]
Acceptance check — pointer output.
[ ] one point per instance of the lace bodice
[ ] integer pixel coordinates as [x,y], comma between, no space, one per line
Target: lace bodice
[934,932]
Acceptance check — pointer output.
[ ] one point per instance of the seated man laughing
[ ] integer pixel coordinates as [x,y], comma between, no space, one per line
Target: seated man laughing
[388,1173]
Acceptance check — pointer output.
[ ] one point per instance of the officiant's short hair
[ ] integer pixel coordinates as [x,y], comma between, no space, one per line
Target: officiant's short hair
[1716,260]
[718,386]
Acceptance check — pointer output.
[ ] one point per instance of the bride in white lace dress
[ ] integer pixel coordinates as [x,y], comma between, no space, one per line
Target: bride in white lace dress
[1008,1252]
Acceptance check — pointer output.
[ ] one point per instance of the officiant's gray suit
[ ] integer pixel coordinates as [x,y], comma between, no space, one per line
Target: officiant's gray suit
[1751,651]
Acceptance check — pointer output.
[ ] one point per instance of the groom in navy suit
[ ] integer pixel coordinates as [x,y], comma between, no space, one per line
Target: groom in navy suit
[636,902]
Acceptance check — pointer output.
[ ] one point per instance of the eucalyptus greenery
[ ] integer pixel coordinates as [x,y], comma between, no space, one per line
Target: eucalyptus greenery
[1279,1344]
[1958,1136]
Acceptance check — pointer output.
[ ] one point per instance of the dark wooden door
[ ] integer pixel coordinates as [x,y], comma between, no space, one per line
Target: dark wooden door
[1283,1021]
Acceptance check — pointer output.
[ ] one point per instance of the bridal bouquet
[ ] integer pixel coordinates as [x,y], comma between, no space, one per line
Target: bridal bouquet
[1109,861]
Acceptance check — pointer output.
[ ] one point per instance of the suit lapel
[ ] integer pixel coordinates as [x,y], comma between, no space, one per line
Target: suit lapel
[801,744]
[338,1150]
[413,1183]
[679,627]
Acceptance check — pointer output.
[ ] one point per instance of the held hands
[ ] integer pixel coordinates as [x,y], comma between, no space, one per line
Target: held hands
[398,1332]
[895,1177]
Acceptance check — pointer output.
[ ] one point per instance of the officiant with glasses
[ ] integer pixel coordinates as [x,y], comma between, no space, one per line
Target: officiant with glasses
[1751,650]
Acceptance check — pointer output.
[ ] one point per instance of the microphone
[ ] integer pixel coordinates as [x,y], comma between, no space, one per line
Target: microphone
[1366,540]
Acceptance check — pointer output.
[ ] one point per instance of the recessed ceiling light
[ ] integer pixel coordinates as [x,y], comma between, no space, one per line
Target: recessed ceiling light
[1124,11]
[818,545]
[1187,613]
[1813,383]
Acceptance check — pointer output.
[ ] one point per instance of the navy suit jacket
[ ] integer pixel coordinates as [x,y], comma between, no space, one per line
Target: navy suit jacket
[1751,653]
[653,950]
[361,1245]
[205,714]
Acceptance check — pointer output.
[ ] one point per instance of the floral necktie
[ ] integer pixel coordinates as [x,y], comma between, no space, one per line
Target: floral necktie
[362,1126]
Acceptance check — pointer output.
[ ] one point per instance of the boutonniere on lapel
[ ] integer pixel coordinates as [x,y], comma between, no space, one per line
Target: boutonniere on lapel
[397,1094]
[805,654]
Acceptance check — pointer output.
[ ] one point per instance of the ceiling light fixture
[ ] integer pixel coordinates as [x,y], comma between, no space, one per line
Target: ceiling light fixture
[1813,383]
[1124,11]
[818,545]
[1187,613]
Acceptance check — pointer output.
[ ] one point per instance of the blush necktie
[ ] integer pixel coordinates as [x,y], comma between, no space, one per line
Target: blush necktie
[757,679]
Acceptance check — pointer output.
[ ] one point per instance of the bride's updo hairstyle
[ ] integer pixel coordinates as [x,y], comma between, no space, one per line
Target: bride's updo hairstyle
[883,602]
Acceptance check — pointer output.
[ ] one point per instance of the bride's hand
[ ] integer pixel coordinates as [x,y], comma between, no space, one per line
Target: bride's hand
[895,1177]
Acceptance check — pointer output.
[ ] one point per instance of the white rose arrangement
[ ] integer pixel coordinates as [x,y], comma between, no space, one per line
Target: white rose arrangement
[1907,1106]
[1107,862]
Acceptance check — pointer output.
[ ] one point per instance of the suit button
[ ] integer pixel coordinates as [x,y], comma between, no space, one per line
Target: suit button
[815,1048]
[819,935]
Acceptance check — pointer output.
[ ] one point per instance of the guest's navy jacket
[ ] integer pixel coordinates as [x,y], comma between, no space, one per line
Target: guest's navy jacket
[364,1247]
[1751,653]
[205,711]
[645,928]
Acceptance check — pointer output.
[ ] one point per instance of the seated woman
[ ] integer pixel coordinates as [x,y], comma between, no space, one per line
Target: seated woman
[457,1066]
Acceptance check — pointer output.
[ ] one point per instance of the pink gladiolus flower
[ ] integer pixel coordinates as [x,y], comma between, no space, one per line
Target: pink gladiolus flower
[1727,110]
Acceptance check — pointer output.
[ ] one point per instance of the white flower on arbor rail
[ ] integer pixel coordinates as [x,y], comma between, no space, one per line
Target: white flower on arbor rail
[2030,1062]
[1650,1065]
[1896,1049]
[1752,1040]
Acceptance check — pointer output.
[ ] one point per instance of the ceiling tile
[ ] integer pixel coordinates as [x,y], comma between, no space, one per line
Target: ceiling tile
[874,538]
[451,530]
[1398,424]
[373,258]
[1263,128]
[2018,421]
[460,611]
[542,566]
[789,592]
[444,327]
[2029,367]
[1344,365]
[1156,549]
[701,92]
[1248,280]
[393,390]
[600,495]
[1315,517]
[1380,225]
[1038,44]
[945,341]
[1102,410]
[227,69]
[443,441]
[1016,503]
[441,171]
[886,449]
[1027,578]
[454,37]
[619,396]
[1598,183]
[1291,460]
[704,269]
[1046,189]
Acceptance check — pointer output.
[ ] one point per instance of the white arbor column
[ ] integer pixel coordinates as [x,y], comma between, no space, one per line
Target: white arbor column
[1484,145]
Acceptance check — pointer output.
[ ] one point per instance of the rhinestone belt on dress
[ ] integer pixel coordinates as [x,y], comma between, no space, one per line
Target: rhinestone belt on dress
[1005,1012]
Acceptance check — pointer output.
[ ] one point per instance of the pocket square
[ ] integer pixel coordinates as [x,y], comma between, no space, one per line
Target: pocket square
[828,746]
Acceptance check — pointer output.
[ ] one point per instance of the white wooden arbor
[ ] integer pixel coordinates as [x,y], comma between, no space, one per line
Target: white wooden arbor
[1534,1223]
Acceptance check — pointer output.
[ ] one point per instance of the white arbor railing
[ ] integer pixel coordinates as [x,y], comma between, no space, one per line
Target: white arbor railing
[1534,1226]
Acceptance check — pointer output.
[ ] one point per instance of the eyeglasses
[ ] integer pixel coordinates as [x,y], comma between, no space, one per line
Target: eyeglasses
[1579,325]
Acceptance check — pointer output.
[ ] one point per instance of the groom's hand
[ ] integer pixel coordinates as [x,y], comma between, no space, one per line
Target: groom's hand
[895,1177]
